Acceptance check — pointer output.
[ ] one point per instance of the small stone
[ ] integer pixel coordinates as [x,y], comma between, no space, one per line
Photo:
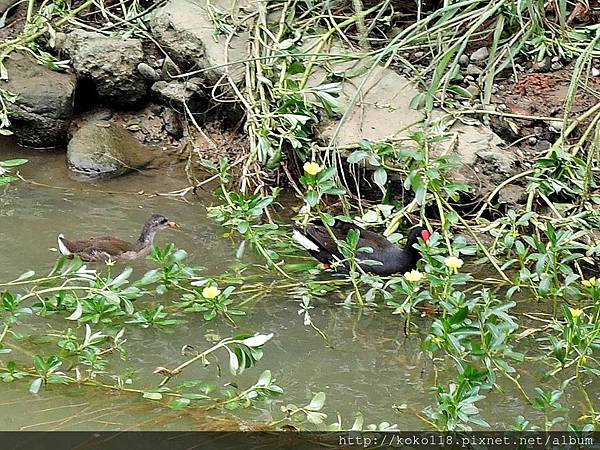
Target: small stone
[171,92]
[480,54]
[554,110]
[473,90]
[532,140]
[544,65]
[419,55]
[595,72]
[556,66]
[147,72]
[173,124]
[472,69]
[556,59]
[169,68]
[463,60]
[542,145]
[556,125]
[470,78]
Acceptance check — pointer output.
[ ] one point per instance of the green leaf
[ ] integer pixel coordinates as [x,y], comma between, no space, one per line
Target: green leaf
[6,179]
[26,275]
[34,388]
[326,174]
[179,403]
[317,402]
[312,198]
[13,162]
[356,156]
[233,363]
[153,395]
[77,313]
[38,363]
[380,177]
[258,340]
[122,277]
[264,379]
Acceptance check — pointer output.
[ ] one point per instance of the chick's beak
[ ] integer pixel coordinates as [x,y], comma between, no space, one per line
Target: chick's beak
[172,225]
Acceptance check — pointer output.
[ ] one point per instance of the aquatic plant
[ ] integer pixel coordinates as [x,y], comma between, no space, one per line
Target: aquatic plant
[5,170]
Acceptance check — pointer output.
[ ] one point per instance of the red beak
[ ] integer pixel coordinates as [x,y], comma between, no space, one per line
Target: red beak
[425,234]
[172,225]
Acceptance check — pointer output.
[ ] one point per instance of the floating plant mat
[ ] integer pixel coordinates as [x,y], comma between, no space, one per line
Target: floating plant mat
[103,369]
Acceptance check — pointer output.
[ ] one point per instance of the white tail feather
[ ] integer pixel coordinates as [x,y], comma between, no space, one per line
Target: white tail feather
[61,245]
[304,241]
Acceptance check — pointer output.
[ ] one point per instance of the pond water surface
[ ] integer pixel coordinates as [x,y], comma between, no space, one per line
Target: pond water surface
[371,368]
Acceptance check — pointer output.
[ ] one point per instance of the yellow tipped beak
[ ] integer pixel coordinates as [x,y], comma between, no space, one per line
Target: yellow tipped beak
[172,225]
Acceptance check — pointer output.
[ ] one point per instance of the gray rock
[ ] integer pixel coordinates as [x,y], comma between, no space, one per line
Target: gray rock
[419,55]
[6,4]
[110,62]
[556,66]
[463,60]
[474,90]
[104,150]
[472,69]
[42,112]
[173,92]
[542,145]
[96,115]
[186,30]
[480,54]
[147,72]
[595,72]
[173,124]
[544,65]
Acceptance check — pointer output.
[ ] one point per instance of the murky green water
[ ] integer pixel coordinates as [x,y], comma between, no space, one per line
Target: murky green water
[371,368]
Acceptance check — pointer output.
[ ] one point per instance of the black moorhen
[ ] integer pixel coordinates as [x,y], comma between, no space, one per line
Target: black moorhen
[102,248]
[319,243]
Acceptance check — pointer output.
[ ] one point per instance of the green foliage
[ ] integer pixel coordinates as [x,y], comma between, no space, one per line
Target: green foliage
[456,410]
[5,166]
[197,302]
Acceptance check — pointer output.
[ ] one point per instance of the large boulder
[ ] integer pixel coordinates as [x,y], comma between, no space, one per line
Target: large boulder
[382,110]
[185,29]
[100,149]
[111,63]
[41,113]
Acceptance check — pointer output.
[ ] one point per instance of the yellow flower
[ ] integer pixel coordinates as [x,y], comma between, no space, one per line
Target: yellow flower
[210,292]
[584,360]
[576,312]
[312,168]
[591,282]
[453,262]
[413,276]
